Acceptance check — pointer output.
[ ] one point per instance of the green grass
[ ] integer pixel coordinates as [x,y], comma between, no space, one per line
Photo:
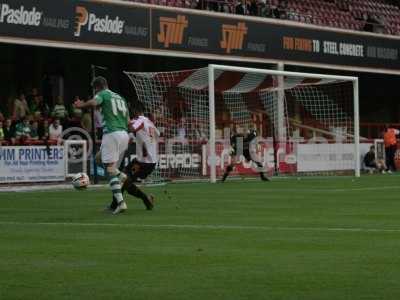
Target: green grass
[333,238]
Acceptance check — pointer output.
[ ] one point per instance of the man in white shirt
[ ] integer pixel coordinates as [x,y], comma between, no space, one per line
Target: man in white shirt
[146,138]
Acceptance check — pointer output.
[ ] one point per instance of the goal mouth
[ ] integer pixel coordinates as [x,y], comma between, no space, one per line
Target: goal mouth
[305,123]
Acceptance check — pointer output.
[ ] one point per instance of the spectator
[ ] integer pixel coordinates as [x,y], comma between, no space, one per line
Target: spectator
[34,93]
[253,8]
[55,130]
[76,113]
[20,108]
[59,110]
[390,141]
[372,163]
[86,121]
[201,4]
[2,137]
[35,130]
[98,121]
[23,130]
[242,8]
[43,130]
[1,117]
[38,108]
[9,132]
[265,9]
[226,8]
[213,6]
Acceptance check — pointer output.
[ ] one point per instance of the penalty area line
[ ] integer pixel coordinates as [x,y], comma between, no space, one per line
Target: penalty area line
[204,227]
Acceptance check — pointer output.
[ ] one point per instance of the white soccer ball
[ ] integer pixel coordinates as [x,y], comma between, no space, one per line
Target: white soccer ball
[80,181]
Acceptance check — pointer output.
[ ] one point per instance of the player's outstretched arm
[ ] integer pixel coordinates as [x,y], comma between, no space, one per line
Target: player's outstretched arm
[82,104]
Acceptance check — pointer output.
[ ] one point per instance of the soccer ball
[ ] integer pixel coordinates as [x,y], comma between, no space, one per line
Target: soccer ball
[80,181]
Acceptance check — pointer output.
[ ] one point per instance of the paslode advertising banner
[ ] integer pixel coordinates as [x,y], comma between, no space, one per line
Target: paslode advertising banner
[31,164]
[76,21]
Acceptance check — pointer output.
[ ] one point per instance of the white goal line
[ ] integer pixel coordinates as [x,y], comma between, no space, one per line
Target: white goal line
[206,227]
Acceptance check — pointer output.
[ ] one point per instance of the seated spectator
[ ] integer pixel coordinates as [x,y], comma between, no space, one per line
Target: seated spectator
[38,108]
[86,121]
[55,130]
[373,164]
[9,132]
[35,130]
[30,97]
[59,110]
[2,137]
[201,4]
[20,108]
[43,130]
[265,9]
[253,8]
[242,8]
[23,130]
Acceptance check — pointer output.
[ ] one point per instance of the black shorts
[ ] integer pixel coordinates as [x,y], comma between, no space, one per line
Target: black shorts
[371,165]
[137,170]
[246,154]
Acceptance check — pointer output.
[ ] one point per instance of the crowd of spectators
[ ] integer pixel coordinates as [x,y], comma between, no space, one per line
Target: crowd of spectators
[31,120]
[380,16]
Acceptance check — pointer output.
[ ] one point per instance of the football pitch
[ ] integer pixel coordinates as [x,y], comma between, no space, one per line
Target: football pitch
[314,238]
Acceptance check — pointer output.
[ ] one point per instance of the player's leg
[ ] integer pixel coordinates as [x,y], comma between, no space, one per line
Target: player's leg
[110,156]
[228,170]
[122,177]
[140,171]
[252,156]
[116,187]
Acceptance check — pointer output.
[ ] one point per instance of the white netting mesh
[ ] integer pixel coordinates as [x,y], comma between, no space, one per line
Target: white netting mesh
[304,125]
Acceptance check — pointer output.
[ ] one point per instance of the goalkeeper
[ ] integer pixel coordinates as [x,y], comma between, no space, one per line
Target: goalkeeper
[244,143]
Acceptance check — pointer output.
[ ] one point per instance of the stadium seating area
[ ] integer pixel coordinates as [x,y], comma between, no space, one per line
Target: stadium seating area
[378,16]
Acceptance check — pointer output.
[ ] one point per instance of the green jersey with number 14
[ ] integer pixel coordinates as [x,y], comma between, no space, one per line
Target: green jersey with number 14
[114,111]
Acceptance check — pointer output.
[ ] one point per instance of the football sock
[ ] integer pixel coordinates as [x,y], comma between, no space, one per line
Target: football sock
[115,186]
[226,174]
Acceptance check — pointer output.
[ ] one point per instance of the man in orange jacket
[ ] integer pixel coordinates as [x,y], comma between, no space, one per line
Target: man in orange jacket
[390,141]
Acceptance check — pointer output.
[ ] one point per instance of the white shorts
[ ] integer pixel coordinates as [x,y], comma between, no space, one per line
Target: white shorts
[113,147]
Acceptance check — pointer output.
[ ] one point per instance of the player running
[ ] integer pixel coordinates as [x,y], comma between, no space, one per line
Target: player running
[247,145]
[146,137]
[115,139]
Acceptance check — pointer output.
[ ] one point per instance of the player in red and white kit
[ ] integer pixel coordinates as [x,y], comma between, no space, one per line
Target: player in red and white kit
[146,138]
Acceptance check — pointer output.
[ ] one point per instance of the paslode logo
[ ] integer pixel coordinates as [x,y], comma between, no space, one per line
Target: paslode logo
[81,19]
[94,23]
[20,15]
[171,30]
[233,36]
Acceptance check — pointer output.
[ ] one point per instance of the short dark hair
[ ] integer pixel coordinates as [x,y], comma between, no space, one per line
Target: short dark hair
[138,108]
[99,83]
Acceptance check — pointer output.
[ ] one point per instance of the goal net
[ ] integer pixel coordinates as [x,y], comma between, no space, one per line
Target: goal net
[306,124]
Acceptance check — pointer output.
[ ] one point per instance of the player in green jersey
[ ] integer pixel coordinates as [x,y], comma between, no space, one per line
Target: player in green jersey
[115,139]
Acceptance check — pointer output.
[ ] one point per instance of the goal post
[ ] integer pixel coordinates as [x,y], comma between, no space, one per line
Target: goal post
[280,74]
[306,123]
